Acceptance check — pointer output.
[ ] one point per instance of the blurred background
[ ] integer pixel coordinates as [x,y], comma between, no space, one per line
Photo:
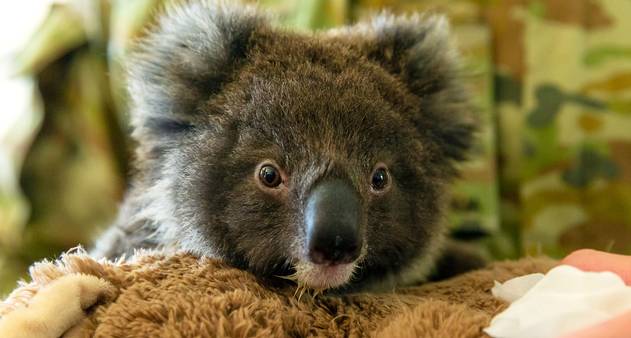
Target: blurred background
[551,78]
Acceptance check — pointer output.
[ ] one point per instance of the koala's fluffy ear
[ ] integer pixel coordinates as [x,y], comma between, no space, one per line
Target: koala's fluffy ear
[190,54]
[417,50]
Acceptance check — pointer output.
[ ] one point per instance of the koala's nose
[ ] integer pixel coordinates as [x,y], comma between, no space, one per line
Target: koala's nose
[332,220]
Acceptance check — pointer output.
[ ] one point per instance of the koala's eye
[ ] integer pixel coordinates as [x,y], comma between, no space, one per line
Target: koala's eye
[269,176]
[380,178]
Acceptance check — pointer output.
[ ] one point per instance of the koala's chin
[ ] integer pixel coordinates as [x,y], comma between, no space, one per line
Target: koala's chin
[321,277]
[324,157]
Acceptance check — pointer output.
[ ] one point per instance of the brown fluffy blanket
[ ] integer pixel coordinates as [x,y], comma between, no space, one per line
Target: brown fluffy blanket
[152,295]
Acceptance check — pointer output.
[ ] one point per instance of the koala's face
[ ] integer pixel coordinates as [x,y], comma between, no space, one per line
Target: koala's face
[315,170]
[301,155]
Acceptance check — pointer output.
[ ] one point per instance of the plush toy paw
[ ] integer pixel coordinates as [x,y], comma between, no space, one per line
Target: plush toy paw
[57,307]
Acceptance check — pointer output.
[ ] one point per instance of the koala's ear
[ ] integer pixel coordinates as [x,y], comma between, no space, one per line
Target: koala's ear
[187,57]
[417,50]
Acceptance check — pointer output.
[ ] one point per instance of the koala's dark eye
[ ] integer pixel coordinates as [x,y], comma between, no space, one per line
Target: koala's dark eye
[269,176]
[380,178]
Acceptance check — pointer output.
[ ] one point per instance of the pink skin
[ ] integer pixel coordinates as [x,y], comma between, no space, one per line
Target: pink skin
[592,260]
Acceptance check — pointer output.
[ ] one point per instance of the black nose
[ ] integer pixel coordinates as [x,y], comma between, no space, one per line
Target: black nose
[332,218]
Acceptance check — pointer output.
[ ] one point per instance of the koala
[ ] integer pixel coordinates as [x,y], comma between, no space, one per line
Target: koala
[324,157]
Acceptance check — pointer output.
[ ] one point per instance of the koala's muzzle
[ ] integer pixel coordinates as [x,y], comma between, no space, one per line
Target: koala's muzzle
[332,220]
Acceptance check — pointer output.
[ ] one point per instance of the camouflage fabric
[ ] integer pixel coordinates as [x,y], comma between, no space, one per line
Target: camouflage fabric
[564,108]
[551,80]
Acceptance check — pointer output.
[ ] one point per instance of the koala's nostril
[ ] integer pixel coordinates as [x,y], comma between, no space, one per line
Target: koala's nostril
[338,241]
[318,257]
[334,243]
[334,254]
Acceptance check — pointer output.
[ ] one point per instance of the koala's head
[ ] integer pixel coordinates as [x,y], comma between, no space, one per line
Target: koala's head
[320,155]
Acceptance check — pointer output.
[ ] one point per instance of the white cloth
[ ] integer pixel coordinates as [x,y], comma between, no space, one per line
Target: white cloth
[566,299]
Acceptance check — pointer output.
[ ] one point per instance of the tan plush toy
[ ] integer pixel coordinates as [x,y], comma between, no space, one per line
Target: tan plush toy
[155,295]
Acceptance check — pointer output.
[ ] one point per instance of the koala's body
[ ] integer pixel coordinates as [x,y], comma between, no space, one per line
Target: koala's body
[322,156]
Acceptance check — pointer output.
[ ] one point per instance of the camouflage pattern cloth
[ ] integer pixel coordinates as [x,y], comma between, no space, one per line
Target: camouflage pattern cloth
[551,80]
[564,121]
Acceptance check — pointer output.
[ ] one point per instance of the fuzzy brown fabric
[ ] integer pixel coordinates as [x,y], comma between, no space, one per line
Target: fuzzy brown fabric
[183,296]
